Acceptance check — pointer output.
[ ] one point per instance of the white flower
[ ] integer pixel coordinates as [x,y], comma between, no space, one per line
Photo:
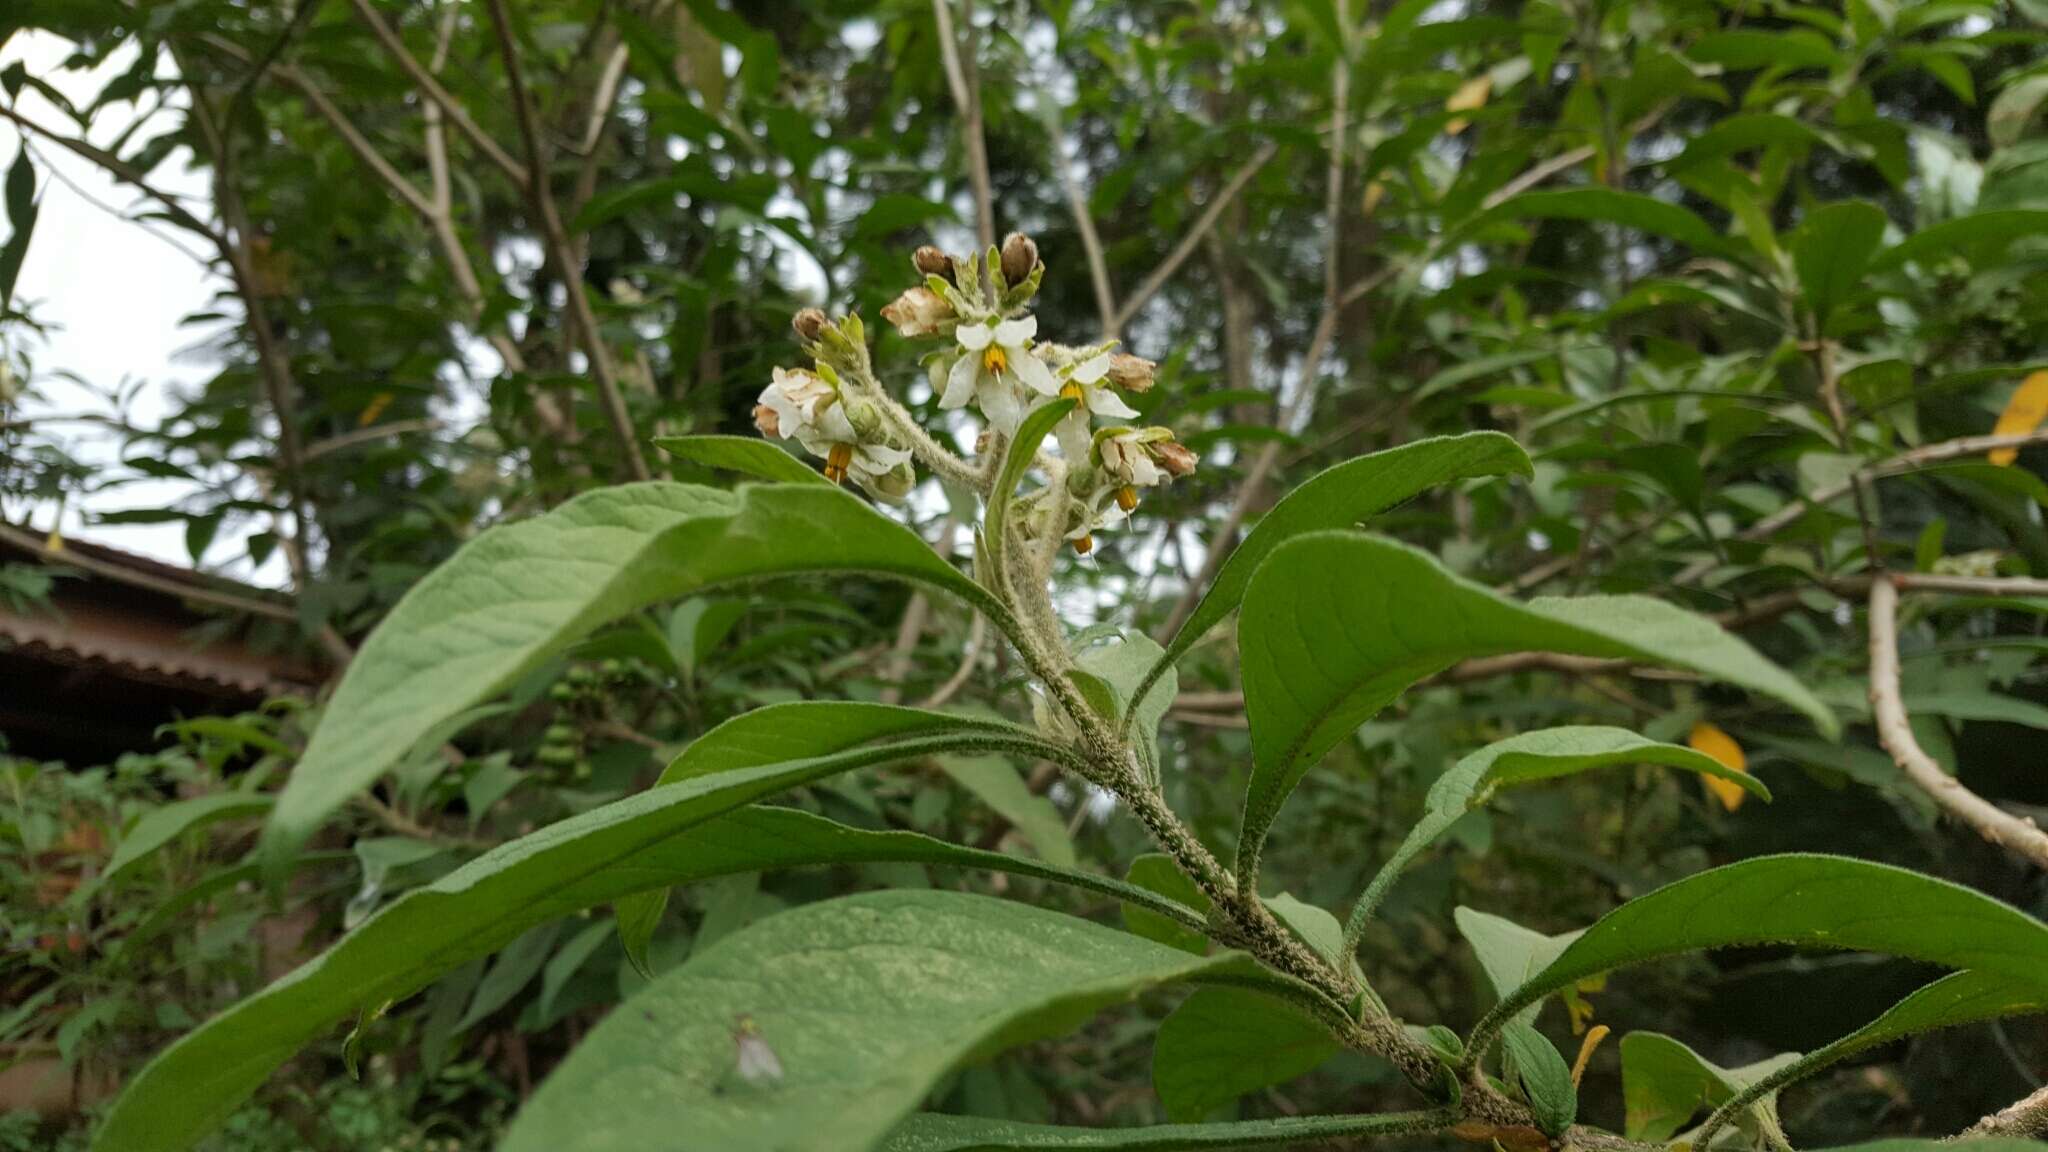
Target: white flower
[997,370]
[1085,384]
[805,406]
[918,312]
[1128,459]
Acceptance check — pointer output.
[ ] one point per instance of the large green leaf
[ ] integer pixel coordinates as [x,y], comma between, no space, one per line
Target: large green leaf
[1663,1083]
[934,1133]
[749,455]
[665,836]
[1813,901]
[1527,759]
[1978,233]
[1018,456]
[520,593]
[1831,250]
[865,1002]
[1224,1042]
[1337,624]
[1956,999]
[1112,675]
[1508,953]
[797,730]
[1340,497]
[1630,210]
[165,824]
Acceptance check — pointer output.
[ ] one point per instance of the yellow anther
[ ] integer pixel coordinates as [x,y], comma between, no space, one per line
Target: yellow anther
[1083,545]
[1127,498]
[995,361]
[1072,391]
[837,461]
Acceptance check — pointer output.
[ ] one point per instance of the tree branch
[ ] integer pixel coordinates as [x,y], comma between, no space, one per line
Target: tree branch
[431,87]
[964,83]
[2027,1119]
[562,251]
[2013,833]
[1211,212]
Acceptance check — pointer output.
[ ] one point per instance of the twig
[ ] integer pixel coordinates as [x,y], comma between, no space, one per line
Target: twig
[121,170]
[1831,399]
[1091,242]
[375,432]
[962,81]
[2014,833]
[563,252]
[1211,212]
[977,635]
[431,87]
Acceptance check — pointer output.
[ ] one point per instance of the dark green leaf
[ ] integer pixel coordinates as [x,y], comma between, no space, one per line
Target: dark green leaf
[1831,250]
[1224,1042]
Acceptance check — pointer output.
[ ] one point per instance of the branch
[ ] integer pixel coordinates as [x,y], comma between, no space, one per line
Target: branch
[966,89]
[441,97]
[121,170]
[366,435]
[977,636]
[1211,212]
[2013,833]
[1091,242]
[561,251]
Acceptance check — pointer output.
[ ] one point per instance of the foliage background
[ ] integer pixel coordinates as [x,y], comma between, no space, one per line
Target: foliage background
[401,363]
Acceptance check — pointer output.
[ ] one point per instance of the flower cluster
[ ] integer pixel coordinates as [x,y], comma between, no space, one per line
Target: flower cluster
[991,360]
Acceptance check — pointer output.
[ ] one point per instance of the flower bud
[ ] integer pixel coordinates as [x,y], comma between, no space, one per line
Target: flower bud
[1020,256]
[810,324]
[918,312]
[1176,458]
[931,261]
[1131,373]
[766,420]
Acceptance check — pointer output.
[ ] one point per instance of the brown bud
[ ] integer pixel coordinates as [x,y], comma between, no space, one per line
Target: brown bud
[918,312]
[931,261]
[1131,373]
[810,324]
[764,419]
[1177,458]
[1020,256]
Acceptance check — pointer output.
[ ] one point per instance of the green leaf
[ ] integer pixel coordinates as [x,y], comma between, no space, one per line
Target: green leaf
[1340,497]
[1982,236]
[1337,624]
[1831,249]
[1508,953]
[163,825]
[21,220]
[1744,49]
[520,593]
[2007,119]
[1663,1083]
[824,987]
[995,781]
[1119,671]
[1546,1079]
[1812,901]
[1532,757]
[745,454]
[665,836]
[1156,872]
[1224,1042]
[797,730]
[1313,926]
[1956,999]
[1018,456]
[516,967]
[1630,210]
[935,1133]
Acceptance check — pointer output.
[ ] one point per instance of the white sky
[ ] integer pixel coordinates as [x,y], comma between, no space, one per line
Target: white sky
[112,294]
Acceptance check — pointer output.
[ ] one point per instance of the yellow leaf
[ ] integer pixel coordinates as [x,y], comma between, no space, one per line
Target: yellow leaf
[1374,193]
[373,409]
[1470,96]
[1721,746]
[1586,1047]
[2023,413]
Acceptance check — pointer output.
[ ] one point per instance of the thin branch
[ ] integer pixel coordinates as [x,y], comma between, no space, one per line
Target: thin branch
[121,170]
[450,106]
[375,432]
[963,83]
[2015,834]
[977,637]
[1212,212]
[562,251]
[1091,241]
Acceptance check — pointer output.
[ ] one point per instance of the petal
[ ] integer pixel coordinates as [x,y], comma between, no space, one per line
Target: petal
[1144,473]
[1001,405]
[882,457]
[1092,369]
[1105,402]
[974,337]
[1033,372]
[1017,331]
[834,425]
[1073,437]
[960,381]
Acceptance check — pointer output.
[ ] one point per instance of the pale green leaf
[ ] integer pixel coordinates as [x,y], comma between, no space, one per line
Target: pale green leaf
[748,455]
[520,593]
[1663,1083]
[1337,624]
[995,782]
[1156,872]
[162,825]
[865,1001]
